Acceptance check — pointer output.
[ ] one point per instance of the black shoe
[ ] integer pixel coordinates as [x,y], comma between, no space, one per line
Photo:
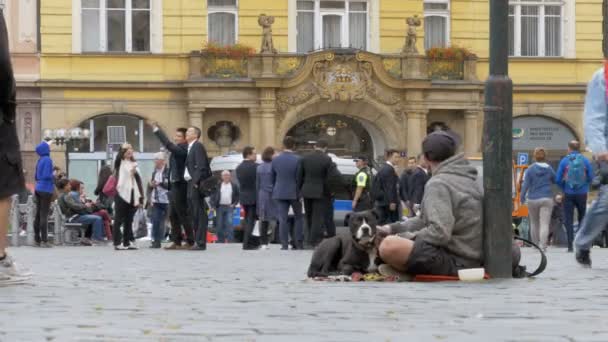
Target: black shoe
[570,250]
[198,248]
[251,248]
[155,245]
[583,258]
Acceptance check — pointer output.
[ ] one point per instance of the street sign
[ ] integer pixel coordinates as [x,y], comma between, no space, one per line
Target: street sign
[522,158]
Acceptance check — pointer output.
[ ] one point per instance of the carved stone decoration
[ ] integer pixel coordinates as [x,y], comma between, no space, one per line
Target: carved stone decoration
[284,101]
[266,22]
[410,39]
[340,80]
[27,128]
[223,133]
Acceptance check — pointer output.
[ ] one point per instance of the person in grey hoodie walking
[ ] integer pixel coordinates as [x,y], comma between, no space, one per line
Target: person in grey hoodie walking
[447,236]
[537,189]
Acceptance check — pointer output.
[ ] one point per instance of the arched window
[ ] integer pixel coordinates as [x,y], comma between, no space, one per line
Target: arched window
[436,23]
[116,129]
[222,21]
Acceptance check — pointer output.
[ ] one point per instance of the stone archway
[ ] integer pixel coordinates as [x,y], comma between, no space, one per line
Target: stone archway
[385,131]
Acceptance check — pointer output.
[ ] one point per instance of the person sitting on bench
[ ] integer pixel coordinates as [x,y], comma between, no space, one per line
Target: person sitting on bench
[447,236]
[78,212]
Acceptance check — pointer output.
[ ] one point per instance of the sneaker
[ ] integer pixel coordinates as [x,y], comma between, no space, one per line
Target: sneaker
[37,244]
[120,248]
[264,247]
[388,271]
[85,242]
[583,258]
[173,246]
[10,274]
[46,245]
[198,248]
[131,247]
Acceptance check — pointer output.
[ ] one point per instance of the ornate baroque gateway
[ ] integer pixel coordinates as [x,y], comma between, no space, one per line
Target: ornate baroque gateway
[338,78]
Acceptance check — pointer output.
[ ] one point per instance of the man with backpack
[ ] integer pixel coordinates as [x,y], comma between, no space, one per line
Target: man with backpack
[574,176]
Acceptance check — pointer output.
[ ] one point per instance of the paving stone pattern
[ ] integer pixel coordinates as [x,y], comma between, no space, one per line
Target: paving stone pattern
[226,294]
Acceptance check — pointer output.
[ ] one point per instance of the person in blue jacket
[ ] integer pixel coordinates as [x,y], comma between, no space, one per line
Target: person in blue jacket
[574,175]
[45,188]
[538,181]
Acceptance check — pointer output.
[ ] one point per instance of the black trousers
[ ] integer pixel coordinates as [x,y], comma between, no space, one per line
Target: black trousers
[330,225]
[197,209]
[264,226]
[43,205]
[178,197]
[386,215]
[250,215]
[123,216]
[364,203]
[315,219]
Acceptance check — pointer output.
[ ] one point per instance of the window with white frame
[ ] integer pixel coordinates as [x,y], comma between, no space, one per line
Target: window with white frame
[436,23]
[115,25]
[536,28]
[222,21]
[332,24]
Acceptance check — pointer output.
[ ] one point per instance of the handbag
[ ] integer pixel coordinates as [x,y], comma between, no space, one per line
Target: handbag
[109,189]
[142,224]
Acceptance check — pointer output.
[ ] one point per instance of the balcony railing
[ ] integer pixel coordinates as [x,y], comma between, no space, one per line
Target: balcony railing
[284,65]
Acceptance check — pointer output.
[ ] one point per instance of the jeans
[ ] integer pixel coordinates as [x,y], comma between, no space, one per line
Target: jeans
[95,221]
[539,211]
[159,214]
[594,223]
[283,213]
[43,201]
[570,202]
[225,232]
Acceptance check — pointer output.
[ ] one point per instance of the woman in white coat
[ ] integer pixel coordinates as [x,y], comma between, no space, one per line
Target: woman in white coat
[130,197]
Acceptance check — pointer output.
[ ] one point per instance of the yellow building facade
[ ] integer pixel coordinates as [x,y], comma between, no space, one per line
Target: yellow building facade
[341,71]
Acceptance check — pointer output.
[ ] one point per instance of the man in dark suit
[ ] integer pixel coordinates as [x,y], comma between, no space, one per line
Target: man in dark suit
[312,180]
[196,173]
[404,193]
[178,187]
[416,183]
[385,189]
[246,175]
[285,170]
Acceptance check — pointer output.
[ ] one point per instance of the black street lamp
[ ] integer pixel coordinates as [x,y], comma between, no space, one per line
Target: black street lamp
[497,147]
[67,138]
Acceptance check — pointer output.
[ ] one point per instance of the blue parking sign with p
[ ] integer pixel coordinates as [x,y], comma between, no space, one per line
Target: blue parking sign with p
[522,158]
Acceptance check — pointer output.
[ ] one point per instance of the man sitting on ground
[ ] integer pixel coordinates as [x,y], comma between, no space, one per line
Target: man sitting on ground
[447,236]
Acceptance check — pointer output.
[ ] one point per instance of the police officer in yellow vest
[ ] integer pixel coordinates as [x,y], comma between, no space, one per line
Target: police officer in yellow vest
[362,184]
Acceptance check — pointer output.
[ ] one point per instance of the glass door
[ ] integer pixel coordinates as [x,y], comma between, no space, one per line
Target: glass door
[331,30]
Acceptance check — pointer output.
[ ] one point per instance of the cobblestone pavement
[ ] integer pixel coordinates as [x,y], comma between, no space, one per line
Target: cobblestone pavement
[225,294]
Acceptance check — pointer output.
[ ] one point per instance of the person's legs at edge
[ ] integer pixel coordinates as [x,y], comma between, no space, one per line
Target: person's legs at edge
[534,214]
[593,225]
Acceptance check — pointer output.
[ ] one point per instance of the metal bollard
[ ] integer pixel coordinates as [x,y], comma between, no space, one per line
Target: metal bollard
[15,221]
[30,211]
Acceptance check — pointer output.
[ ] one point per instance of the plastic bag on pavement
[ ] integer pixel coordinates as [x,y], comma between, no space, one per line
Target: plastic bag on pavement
[140,224]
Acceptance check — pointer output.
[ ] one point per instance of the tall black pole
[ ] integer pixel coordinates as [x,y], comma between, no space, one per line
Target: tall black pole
[497,147]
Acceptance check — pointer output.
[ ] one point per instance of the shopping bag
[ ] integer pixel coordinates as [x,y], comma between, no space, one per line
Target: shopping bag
[141,226]
[256,229]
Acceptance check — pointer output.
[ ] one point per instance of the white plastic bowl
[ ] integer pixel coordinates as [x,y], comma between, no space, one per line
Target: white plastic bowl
[471,274]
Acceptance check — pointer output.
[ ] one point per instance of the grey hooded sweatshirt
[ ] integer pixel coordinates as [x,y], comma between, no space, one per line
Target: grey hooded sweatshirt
[452,212]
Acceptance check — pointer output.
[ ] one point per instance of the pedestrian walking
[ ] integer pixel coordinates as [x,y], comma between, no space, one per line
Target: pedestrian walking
[312,178]
[416,183]
[246,174]
[130,197]
[181,221]
[538,180]
[596,130]
[45,188]
[224,200]
[574,175]
[159,197]
[385,191]
[197,171]
[285,191]
[11,174]
[362,199]
[267,212]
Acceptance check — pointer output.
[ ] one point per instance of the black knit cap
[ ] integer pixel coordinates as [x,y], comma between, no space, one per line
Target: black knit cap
[440,145]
